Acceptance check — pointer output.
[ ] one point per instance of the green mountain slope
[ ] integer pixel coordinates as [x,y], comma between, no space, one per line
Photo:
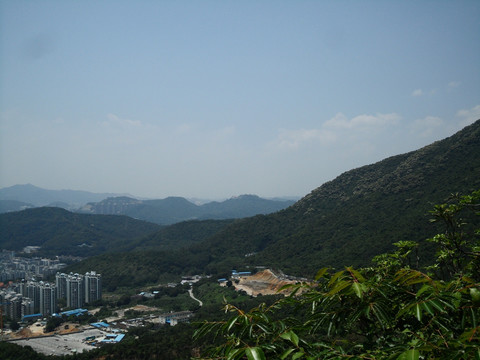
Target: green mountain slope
[362,212]
[178,235]
[60,232]
[346,221]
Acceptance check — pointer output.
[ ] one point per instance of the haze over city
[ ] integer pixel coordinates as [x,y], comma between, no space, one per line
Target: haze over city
[213,99]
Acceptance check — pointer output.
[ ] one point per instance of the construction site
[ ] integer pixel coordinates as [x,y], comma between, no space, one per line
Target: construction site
[265,282]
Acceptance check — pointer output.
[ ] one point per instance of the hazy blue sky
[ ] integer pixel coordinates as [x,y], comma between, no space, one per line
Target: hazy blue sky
[219,98]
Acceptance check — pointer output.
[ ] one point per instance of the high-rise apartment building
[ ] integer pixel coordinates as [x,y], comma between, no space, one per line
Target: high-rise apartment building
[93,287]
[32,291]
[11,304]
[48,298]
[75,291]
[61,284]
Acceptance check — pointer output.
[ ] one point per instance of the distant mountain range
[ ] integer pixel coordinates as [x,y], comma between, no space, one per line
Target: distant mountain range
[176,209]
[34,196]
[163,211]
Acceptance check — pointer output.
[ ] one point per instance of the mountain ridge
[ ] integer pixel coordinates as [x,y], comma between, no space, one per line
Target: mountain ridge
[167,211]
[37,196]
[405,184]
[174,209]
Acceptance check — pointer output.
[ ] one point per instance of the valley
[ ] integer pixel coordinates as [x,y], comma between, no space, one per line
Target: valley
[335,243]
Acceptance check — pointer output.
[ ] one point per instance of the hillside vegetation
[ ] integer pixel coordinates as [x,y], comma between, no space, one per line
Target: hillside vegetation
[60,232]
[361,213]
[346,221]
[178,236]
[391,310]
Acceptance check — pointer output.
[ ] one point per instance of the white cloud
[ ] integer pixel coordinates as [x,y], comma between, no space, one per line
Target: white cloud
[117,130]
[469,116]
[334,129]
[454,84]
[417,92]
[427,126]
[115,120]
[378,120]
[295,138]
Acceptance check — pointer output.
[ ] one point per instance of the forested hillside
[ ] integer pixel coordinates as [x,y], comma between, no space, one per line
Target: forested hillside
[346,221]
[362,212]
[392,309]
[389,310]
[60,232]
[178,235]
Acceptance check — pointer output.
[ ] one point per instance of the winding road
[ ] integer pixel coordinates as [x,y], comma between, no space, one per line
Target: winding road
[190,291]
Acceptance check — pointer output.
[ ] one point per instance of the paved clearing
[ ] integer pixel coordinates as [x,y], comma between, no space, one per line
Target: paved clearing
[61,344]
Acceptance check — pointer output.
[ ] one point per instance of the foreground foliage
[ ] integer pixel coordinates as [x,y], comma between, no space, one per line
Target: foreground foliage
[390,310]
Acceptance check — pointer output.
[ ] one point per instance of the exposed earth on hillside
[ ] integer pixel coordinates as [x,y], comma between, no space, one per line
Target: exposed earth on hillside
[265,282]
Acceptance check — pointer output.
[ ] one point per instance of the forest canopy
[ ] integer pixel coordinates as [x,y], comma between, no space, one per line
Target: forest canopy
[392,309]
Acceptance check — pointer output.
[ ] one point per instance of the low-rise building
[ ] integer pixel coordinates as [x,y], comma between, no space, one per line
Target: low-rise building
[173,318]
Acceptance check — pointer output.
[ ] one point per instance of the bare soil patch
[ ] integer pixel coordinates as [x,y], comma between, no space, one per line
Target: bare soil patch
[265,282]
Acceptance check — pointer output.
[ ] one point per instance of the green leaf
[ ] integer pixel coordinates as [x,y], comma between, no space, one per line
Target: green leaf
[357,288]
[340,286]
[234,354]
[411,354]
[475,295]
[335,277]
[474,317]
[255,353]
[231,323]
[418,312]
[320,273]
[380,314]
[356,274]
[290,335]
[424,288]
[427,307]
[298,355]
[437,305]
[286,353]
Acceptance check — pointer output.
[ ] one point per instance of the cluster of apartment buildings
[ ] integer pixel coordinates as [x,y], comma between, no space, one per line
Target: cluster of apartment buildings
[77,289]
[26,298]
[12,267]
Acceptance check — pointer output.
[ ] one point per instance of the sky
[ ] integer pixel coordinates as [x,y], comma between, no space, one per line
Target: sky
[214,99]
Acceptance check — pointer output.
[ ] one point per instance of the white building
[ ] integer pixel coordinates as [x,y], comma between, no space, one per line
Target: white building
[75,291]
[48,298]
[93,287]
